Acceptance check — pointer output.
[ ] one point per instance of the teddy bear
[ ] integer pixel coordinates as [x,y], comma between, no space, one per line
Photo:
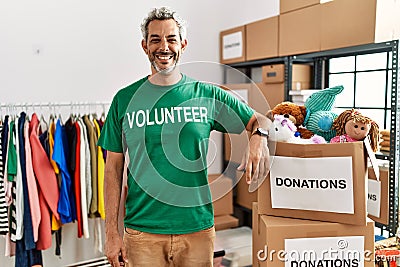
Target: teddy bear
[283,129]
[293,112]
[319,115]
[352,126]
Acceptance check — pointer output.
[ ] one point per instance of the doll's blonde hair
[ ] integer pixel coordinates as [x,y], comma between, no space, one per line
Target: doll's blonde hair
[354,115]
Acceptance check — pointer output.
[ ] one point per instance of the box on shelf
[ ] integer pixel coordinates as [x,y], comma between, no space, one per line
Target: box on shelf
[383,217]
[324,182]
[306,242]
[301,73]
[244,198]
[262,39]
[299,97]
[221,192]
[274,73]
[274,93]
[300,31]
[223,222]
[347,23]
[290,5]
[232,45]
[250,93]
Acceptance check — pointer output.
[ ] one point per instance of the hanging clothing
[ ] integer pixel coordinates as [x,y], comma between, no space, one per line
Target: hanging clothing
[52,130]
[10,192]
[45,175]
[100,174]
[3,204]
[71,143]
[27,217]
[48,186]
[55,223]
[26,253]
[31,180]
[25,257]
[93,211]
[83,178]
[77,180]
[15,175]
[88,168]
[60,153]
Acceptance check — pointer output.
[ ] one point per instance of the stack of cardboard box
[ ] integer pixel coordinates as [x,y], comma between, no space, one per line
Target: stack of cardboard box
[306,26]
[222,197]
[262,97]
[311,210]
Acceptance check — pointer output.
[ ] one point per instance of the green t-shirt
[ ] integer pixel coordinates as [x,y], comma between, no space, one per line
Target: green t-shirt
[165,130]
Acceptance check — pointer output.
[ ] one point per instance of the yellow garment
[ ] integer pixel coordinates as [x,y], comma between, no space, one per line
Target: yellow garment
[52,130]
[55,224]
[100,176]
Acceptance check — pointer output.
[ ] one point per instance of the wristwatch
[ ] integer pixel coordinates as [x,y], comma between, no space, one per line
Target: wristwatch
[261,132]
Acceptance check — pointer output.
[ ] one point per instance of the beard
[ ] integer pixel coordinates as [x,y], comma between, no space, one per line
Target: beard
[167,70]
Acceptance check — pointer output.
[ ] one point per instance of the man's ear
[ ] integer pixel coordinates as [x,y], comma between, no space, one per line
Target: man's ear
[144,45]
[184,44]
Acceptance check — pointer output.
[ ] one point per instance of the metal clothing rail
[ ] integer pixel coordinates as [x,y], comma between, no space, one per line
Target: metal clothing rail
[52,104]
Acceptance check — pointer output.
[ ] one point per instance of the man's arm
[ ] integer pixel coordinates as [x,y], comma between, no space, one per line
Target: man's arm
[112,192]
[256,159]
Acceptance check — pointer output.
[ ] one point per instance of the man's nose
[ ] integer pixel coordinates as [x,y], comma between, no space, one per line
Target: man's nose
[164,45]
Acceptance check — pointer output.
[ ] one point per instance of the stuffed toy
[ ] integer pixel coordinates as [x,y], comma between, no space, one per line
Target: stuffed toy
[319,117]
[352,126]
[293,112]
[283,129]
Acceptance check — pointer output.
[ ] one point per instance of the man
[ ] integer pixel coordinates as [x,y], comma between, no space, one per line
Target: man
[163,122]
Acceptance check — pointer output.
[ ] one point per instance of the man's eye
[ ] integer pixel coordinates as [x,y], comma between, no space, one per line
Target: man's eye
[172,40]
[362,128]
[154,40]
[355,126]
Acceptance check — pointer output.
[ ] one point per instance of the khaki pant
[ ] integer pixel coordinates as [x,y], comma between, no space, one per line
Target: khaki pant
[145,249]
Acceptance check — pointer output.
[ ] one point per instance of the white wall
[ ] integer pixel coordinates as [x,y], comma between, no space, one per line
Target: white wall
[75,51]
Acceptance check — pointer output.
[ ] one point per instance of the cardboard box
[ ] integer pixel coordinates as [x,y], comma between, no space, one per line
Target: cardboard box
[274,73]
[223,222]
[300,31]
[324,182]
[384,201]
[277,237]
[222,195]
[236,144]
[262,39]
[244,198]
[290,5]
[301,73]
[347,23]
[232,45]
[274,93]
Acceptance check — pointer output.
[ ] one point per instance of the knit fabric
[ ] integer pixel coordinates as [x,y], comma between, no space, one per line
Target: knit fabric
[323,99]
[321,124]
[319,117]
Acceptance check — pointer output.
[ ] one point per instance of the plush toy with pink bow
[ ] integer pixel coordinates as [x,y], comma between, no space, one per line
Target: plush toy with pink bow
[283,130]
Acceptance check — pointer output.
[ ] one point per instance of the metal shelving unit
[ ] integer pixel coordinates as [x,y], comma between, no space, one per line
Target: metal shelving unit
[320,61]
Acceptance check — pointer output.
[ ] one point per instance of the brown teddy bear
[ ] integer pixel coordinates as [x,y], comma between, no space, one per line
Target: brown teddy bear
[293,112]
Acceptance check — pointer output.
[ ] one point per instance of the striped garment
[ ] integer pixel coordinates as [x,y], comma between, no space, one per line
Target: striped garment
[3,205]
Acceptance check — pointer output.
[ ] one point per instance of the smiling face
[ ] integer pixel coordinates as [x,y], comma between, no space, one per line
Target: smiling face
[163,46]
[357,130]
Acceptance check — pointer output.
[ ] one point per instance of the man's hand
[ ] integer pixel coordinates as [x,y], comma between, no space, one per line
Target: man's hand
[256,159]
[115,250]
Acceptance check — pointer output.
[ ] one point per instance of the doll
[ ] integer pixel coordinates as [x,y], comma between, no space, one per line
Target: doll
[352,126]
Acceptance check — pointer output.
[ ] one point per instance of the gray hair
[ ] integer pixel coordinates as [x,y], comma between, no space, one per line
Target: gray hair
[163,13]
